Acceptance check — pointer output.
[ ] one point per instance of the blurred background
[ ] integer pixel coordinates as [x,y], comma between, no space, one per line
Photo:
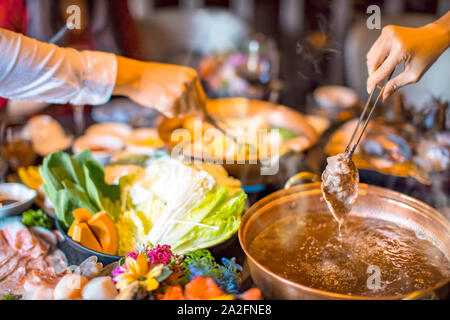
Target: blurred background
[309,55]
[295,45]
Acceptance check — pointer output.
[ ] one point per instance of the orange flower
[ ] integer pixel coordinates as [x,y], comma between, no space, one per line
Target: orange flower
[172,293]
[202,289]
[252,294]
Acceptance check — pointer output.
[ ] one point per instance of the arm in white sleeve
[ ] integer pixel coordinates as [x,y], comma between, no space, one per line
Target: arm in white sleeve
[33,70]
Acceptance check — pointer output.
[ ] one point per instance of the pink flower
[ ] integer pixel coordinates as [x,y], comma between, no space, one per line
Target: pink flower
[160,255]
[117,271]
[157,255]
[133,254]
[120,269]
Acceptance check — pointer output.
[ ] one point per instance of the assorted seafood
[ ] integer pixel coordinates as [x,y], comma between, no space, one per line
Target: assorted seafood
[145,274]
[74,283]
[25,253]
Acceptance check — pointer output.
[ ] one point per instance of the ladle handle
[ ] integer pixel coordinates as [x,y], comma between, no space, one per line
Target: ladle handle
[422,295]
[304,177]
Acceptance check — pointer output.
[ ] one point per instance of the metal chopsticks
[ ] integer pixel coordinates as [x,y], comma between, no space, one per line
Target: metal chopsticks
[59,35]
[351,149]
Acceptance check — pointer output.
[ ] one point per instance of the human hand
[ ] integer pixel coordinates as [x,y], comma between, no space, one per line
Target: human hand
[418,48]
[173,90]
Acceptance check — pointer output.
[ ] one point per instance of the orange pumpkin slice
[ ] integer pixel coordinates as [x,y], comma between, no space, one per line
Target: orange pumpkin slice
[80,215]
[70,232]
[84,236]
[104,230]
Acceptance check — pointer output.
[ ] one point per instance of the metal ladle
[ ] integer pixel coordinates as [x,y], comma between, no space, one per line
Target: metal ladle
[246,146]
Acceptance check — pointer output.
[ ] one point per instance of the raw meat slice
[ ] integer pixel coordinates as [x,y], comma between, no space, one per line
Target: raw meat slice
[8,284]
[9,266]
[340,185]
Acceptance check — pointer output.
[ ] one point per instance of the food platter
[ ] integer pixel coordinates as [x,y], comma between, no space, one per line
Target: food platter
[79,244]
[110,205]
[105,188]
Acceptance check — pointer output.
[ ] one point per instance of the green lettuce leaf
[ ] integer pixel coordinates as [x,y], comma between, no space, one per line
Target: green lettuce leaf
[211,203]
[225,219]
[77,182]
[125,183]
[103,195]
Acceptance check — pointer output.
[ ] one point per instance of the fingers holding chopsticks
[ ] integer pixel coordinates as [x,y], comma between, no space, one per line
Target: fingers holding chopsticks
[416,48]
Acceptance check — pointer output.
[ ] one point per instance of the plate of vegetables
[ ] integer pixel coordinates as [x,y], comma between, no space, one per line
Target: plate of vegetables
[162,202]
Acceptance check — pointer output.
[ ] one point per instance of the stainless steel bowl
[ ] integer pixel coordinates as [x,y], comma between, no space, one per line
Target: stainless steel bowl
[18,192]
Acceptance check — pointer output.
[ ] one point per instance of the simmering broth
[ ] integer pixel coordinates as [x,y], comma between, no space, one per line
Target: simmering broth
[307,249]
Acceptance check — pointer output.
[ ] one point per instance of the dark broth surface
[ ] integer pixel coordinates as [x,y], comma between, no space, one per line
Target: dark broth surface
[308,250]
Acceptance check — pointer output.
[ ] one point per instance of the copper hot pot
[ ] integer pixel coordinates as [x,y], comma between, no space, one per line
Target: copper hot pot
[373,202]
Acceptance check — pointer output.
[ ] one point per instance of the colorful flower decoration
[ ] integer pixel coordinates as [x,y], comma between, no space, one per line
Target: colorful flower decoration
[201,288]
[194,276]
[201,263]
[160,255]
[140,271]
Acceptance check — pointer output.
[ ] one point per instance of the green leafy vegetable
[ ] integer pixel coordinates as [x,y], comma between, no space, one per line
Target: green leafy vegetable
[204,254]
[11,297]
[178,205]
[211,203]
[285,134]
[36,218]
[72,182]
[215,219]
[217,226]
